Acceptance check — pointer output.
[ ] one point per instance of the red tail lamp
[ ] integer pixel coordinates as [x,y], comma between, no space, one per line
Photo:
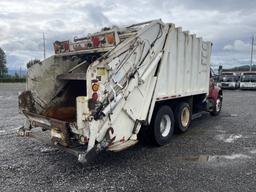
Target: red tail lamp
[66,45]
[95,41]
[95,97]
[110,38]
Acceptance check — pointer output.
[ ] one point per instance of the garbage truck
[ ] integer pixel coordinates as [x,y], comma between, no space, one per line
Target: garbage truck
[100,91]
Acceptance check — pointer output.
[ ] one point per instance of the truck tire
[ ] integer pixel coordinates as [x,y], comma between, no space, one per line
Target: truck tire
[218,106]
[162,127]
[183,116]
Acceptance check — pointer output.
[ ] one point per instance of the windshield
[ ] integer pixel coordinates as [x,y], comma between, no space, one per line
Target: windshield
[228,79]
[248,78]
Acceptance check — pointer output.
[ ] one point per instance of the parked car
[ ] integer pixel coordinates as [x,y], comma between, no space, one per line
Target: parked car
[248,80]
[229,81]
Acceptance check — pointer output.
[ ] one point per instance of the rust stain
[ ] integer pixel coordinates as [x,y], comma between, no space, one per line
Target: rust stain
[26,101]
[122,140]
[61,113]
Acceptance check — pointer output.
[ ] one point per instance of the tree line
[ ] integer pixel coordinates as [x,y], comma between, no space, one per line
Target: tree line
[3,68]
[5,77]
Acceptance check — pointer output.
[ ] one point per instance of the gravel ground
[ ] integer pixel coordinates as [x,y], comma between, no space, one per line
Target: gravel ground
[216,154]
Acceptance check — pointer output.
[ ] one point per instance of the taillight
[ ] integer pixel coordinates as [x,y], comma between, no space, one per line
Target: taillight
[95,42]
[95,97]
[66,45]
[110,38]
[95,88]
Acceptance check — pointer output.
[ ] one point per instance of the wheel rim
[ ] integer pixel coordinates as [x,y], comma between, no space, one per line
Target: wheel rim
[185,116]
[165,125]
[218,105]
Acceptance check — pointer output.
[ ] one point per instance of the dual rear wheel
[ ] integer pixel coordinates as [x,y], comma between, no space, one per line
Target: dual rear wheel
[166,122]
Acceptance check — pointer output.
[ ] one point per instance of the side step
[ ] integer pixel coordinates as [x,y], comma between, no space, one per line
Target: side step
[196,115]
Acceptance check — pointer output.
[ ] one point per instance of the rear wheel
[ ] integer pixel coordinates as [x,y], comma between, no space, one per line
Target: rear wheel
[162,127]
[182,117]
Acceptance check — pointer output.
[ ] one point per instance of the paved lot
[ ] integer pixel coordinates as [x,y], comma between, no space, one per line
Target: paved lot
[217,154]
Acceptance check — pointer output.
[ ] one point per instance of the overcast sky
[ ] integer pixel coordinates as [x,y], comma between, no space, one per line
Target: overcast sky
[229,24]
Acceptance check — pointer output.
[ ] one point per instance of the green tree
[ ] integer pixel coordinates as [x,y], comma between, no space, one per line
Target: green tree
[32,62]
[3,68]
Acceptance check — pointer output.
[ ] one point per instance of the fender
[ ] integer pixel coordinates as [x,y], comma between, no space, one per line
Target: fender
[214,92]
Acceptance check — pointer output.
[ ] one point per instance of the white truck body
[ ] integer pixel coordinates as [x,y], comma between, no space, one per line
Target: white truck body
[153,63]
[185,66]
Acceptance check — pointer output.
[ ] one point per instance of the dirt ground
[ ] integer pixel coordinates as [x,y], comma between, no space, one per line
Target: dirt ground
[216,154]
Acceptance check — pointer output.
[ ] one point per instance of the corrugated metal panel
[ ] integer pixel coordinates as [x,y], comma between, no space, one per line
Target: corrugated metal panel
[185,66]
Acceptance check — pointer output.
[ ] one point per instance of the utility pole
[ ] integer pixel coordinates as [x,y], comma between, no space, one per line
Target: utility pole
[44,44]
[220,70]
[252,53]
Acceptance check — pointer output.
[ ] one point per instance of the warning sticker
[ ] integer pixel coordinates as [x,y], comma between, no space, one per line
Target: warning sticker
[101,71]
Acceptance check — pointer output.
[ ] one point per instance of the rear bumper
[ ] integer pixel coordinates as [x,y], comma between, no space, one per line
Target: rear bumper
[79,151]
[67,143]
[46,140]
[48,124]
[45,137]
[229,86]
